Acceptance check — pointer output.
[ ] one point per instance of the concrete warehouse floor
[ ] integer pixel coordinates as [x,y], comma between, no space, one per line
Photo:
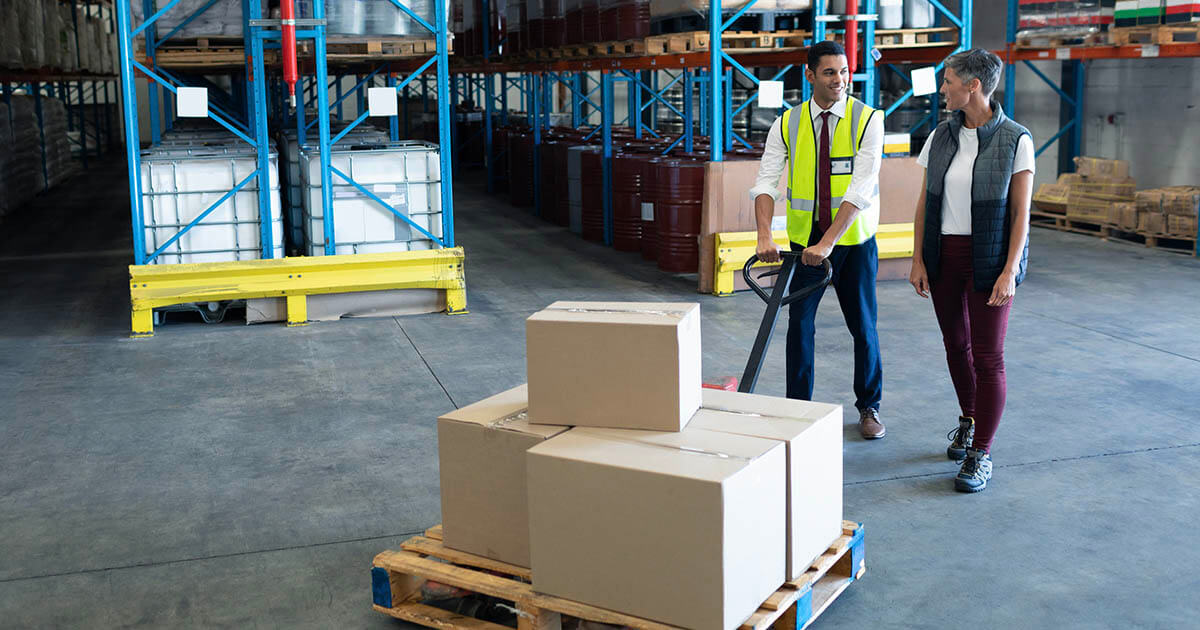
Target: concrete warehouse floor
[234,476]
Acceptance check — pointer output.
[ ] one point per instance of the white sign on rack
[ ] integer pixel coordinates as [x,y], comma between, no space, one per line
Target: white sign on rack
[924,81]
[191,102]
[770,94]
[382,101]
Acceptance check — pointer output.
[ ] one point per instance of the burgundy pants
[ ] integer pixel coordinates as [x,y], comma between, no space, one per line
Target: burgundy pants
[973,333]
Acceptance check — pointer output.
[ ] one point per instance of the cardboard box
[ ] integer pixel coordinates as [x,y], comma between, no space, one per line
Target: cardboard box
[1052,198]
[729,208]
[682,528]
[1149,200]
[1092,167]
[1181,200]
[625,365]
[1181,226]
[813,435]
[481,454]
[1123,215]
[1151,223]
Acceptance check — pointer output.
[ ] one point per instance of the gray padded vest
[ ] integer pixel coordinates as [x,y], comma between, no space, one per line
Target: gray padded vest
[989,196]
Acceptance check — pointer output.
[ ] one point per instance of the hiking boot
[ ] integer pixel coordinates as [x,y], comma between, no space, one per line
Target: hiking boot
[975,472]
[960,438]
[869,425]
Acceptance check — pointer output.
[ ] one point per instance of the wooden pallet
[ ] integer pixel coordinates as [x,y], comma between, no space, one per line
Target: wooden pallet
[397,577]
[914,37]
[1164,242]
[213,57]
[1064,223]
[1054,41]
[1172,34]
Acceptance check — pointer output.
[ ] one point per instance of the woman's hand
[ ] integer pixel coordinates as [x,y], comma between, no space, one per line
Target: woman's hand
[1006,287]
[919,278]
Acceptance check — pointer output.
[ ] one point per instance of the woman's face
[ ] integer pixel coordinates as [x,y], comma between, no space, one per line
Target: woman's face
[954,91]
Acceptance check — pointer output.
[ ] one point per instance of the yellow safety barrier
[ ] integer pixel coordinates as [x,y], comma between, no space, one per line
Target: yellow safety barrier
[153,286]
[895,240]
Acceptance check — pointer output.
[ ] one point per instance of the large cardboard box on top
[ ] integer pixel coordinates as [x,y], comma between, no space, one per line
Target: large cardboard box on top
[625,365]
[684,528]
[813,435]
[481,453]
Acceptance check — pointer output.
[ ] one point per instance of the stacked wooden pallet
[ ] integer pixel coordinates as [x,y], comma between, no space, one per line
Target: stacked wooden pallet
[1164,34]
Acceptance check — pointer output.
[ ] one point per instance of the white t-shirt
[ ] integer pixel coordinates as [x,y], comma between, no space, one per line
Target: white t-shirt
[956,199]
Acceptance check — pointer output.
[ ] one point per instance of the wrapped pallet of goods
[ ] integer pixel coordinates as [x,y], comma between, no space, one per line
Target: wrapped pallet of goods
[68,60]
[1151,221]
[1180,205]
[26,163]
[29,24]
[223,18]
[52,27]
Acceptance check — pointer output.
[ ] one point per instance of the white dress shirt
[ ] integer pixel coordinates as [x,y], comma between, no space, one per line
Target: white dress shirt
[864,183]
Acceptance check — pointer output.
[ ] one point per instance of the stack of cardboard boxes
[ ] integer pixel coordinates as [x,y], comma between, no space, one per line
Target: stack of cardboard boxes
[622,484]
[1169,211]
[1089,192]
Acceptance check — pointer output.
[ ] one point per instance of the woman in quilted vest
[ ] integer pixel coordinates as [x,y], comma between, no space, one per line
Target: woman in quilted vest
[971,246]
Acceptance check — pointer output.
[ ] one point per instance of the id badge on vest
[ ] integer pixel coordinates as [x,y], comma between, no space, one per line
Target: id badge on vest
[841,166]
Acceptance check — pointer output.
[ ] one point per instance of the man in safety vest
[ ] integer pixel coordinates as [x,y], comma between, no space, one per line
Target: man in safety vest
[832,146]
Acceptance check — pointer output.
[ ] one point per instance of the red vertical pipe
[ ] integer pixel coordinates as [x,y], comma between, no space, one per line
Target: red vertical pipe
[287,11]
[851,36]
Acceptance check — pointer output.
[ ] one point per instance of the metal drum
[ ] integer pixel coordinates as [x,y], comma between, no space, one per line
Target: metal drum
[592,193]
[679,185]
[590,21]
[562,192]
[633,19]
[573,12]
[520,169]
[647,199]
[552,208]
[575,186]
[554,23]
[627,200]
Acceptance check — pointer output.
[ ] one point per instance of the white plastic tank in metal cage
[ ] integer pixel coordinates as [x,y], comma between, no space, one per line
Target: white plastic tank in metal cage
[179,183]
[406,175]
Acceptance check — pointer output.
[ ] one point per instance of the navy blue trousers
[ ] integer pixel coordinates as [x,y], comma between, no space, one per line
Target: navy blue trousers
[854,271]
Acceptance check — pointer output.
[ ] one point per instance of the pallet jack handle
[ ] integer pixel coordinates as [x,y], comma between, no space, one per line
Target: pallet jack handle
[776,299]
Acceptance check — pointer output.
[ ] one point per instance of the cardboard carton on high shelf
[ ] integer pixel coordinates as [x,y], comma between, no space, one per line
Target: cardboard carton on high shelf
[481,454]
[1101,168]
[812,433]
[684,528]
[625,365]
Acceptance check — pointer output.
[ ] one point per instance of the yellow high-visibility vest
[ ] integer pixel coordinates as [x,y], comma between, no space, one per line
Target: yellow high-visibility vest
[799,136]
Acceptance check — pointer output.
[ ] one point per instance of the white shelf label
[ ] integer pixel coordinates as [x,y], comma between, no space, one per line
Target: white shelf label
[382,101]
[1150,50]
[191,102]
[1062,53]
[770,94]
[924,81]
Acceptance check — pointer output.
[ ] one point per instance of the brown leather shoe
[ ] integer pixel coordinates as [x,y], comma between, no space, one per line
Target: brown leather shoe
[869,425]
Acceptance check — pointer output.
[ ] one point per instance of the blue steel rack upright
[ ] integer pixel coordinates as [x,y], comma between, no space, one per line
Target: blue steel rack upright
[245,112]
[711,71]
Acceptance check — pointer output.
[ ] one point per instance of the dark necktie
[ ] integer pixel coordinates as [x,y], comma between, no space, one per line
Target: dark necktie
[824,174]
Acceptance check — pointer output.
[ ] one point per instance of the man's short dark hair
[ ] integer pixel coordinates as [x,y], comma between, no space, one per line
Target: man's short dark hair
[821,49]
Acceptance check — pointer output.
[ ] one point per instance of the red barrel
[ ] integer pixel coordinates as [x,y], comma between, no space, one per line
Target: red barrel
[500,155]
[562,207]
[554,23]
[679,198]
[549,183]
[590,21]
[520,169]
[626,200]
[647,200]
[574,22]
[592,194]
[633,19]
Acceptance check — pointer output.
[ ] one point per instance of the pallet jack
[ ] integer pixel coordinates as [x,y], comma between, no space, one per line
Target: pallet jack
[778,298]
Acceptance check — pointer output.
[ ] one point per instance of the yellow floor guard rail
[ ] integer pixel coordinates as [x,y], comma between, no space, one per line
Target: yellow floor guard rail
[733,249]
[152,286]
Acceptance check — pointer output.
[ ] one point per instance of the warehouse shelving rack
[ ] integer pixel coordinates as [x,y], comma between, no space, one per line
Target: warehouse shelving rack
[1071,89]
[256,97]
[651,76]
[76,89]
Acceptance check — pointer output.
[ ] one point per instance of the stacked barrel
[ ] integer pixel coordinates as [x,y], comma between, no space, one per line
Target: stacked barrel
[526,25]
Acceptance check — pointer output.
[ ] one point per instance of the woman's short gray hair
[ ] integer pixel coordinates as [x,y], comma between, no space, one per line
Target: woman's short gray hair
[978,63]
